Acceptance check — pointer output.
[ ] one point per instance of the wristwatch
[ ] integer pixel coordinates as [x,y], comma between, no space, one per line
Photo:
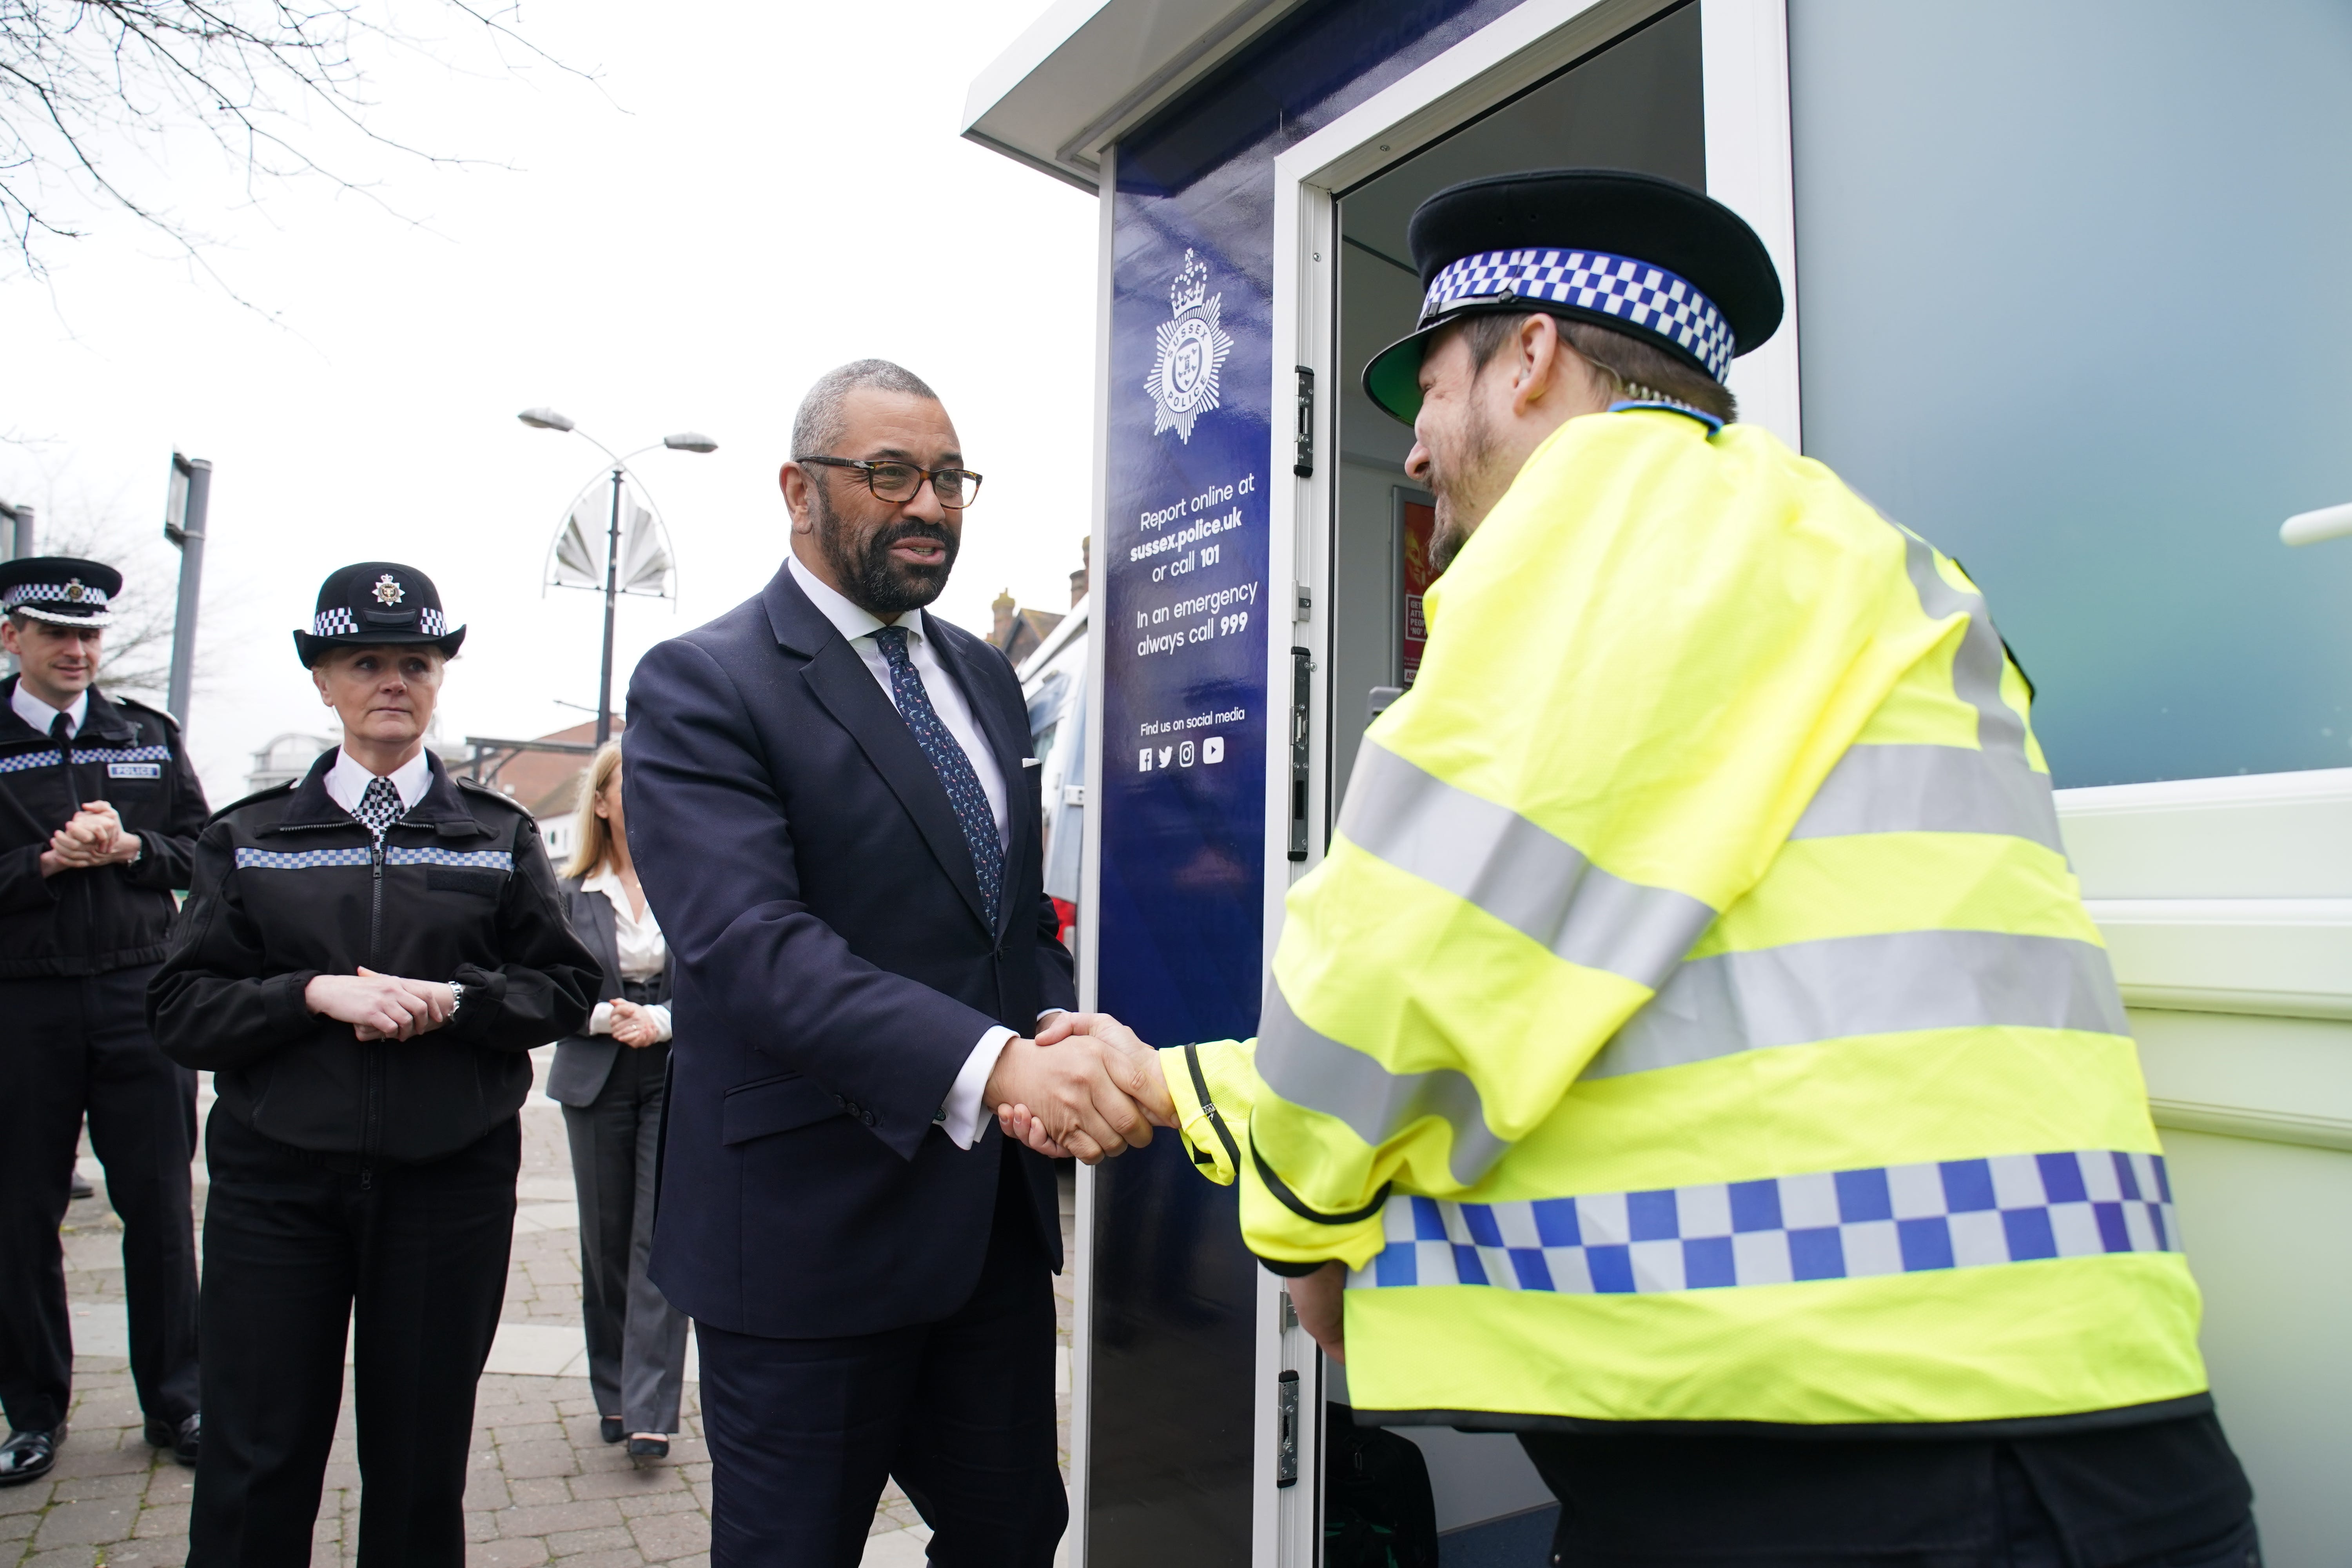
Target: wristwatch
[457,998]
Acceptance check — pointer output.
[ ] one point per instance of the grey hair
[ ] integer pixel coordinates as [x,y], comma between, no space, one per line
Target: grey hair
[818,424]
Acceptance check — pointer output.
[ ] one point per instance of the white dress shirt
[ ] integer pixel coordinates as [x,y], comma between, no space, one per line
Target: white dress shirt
[41,715]
[960,1117]
[638,939]
[347,781]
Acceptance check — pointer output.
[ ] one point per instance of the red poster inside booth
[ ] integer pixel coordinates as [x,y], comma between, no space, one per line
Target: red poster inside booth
[1417,522]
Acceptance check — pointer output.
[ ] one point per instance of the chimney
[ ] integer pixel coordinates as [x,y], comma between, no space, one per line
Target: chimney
[1078,578]
[1003,636]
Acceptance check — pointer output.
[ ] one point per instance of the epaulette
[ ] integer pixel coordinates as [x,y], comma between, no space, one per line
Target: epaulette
[478,787]
[144,708]
[276,789]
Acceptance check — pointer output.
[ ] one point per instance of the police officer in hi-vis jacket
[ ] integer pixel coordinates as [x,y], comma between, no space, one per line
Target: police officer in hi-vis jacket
[98,814]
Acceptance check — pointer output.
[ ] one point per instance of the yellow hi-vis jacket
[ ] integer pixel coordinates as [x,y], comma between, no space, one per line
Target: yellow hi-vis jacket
[1696,1018]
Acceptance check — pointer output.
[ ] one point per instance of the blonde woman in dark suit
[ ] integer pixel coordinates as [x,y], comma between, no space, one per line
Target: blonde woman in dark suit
[609,1078]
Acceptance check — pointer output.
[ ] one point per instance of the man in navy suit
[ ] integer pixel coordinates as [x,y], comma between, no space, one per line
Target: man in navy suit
[832,803]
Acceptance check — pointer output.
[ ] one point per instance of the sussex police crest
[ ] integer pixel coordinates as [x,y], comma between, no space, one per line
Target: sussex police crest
[1191,350]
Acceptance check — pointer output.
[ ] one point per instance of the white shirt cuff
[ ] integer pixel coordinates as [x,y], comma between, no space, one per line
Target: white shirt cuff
[600,1022]
[960,1117]
[659,1013]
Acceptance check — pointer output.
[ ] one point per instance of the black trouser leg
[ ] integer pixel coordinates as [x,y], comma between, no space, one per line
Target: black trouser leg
[143,1122]
[433,1276]
[41,1085]
[281,1262]
[601,1138]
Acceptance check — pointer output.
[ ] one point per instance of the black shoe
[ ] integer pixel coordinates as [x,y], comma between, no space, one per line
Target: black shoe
[609,1429]
[28,1455]
[184,1440]
[648,1447]
[80,1187]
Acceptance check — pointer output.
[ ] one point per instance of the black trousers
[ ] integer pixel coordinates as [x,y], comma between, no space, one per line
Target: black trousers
[2165,1494]
[71,1047]
[413,1259]
[960,1412]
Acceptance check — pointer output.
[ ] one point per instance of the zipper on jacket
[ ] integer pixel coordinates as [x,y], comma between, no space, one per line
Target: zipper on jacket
[372,1071]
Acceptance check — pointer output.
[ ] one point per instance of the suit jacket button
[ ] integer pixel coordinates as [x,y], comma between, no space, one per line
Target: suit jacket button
[869,1119]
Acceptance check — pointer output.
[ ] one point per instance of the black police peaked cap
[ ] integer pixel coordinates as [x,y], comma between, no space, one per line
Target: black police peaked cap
[1647,257]
[63,590]
[377,604]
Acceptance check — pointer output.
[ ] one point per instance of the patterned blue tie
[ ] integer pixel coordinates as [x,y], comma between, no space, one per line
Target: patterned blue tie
[954,768]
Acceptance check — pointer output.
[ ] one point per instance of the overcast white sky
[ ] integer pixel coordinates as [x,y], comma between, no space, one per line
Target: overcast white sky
[746,196]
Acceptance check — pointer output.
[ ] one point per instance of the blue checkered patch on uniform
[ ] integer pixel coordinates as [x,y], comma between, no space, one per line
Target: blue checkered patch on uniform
[123,755]
[480,859]
[1634,292]
[299,859]
[1840,1225]
[25,760]
[307,859]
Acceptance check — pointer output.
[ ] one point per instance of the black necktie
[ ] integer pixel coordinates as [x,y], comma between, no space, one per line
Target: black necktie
[954,768]
[61,729]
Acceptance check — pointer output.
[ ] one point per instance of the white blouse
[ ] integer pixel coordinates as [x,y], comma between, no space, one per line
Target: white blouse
[638,941]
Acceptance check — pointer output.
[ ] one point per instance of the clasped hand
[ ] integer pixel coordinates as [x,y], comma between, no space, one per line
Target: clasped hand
[381,1006]
[1085,1087]
[94,838]
[633,1026]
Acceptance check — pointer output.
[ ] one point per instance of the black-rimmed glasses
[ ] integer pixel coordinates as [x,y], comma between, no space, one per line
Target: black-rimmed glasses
[894,481]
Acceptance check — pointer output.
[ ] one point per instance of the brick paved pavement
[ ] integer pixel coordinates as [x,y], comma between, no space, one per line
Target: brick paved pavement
[543,1489]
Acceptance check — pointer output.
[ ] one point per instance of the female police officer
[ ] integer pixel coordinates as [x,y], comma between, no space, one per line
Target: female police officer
[365,958]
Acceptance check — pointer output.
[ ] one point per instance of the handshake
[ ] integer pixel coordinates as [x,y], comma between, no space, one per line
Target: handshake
[1086,1088]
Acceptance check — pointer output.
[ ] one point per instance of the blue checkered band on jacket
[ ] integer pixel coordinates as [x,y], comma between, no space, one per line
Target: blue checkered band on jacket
[335,623]
[25,760]
[1630,291]
[53,593]
[308,859]
[1841,1225]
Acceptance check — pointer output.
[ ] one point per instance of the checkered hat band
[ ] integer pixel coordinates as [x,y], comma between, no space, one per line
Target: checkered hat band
[1634,292]
[24,760]
[311,859]
[1841,1225]
[342,623]
[45,593]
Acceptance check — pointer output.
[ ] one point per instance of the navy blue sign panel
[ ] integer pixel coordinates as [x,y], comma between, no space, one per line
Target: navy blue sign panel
[1188,613]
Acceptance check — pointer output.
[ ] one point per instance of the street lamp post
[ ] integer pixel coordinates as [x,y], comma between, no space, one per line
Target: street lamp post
[684,441]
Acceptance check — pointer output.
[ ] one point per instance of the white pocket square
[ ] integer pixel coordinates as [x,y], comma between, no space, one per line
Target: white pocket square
[1031,763]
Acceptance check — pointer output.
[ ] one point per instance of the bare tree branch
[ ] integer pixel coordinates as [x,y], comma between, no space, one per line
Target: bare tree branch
[85,84]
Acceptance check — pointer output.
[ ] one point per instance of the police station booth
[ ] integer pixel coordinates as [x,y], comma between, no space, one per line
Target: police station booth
[2067,296]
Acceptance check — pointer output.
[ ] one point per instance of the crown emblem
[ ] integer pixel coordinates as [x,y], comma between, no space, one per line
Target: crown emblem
[74,589]
[1190,353]
[1190,288]
[388,592]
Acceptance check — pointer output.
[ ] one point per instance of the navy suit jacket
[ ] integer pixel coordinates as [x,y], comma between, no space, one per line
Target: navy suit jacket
[833,973]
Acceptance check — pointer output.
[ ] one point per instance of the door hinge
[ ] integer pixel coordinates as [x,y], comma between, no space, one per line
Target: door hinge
[1285,1447]
[1303,462]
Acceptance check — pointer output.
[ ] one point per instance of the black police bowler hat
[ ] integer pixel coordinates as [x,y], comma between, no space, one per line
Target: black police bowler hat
[1647,257]
[377,604]
[63,590]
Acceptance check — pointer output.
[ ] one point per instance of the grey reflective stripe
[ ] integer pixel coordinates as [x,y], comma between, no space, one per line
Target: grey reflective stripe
[1976,664]
[1843,986]
[1932,789]
[1317,1072]
[1532,880]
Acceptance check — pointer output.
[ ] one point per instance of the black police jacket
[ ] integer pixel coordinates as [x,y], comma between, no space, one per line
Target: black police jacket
[288,886]
[106,917]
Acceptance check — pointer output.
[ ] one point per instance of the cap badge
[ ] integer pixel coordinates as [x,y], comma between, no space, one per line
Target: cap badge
[73,590]
[1191,352]
[388,592]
